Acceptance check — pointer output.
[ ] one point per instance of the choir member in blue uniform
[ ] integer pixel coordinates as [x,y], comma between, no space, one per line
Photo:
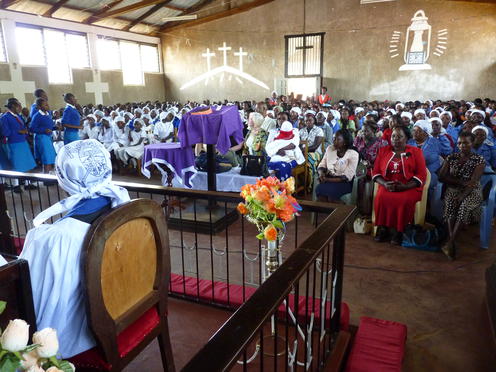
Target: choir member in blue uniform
[14,129]
[71,119]
[42,126]
[38,93]
[484,147]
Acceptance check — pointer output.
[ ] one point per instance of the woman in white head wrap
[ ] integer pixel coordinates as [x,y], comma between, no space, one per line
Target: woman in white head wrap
[120,134]
[256,138]
[284,152]
[164,129]
[422,139]
[419,114]
[135,149]
[53,251]
[484,146]
[446,146]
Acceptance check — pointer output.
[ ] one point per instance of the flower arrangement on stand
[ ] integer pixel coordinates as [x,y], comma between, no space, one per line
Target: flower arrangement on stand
[17,355]
[269,205]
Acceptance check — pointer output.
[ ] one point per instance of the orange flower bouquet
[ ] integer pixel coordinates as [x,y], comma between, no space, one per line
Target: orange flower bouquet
[269,204]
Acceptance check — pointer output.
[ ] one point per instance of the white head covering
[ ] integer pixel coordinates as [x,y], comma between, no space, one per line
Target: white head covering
[435,119]
[84,170]
[296,109]
[400,105]
[359,110]
[99,113]
[138,110]
[419,111]
[406,114]
[91,116]
[270,112]
[310,112]
[286,127]
[336,114]
[391,110]
[447,113]
[146,116]
[119,119]
[480,112]
[477,127]
[425,125]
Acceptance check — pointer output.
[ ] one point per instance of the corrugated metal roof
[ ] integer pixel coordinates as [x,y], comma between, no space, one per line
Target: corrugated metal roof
[156,18]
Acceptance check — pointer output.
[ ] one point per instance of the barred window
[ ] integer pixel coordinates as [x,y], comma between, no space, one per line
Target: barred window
[304,55]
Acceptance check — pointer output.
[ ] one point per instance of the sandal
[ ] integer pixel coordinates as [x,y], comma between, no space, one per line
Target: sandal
[449,250]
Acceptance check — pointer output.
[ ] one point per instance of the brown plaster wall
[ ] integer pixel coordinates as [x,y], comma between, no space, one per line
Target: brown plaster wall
[357,61]
[153,89]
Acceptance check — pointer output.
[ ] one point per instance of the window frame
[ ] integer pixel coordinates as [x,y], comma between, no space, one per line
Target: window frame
[286,54]
[143,83]
[39,28]
[4,45]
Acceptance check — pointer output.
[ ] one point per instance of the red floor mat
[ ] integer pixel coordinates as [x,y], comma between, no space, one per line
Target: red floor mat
[218,292]
[379,345]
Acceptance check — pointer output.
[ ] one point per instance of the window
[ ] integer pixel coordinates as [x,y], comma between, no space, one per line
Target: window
[132,72]
[373,1]
[108,54]
[149,58]
[30,46]
[77,48]
[59,71]
[3,53]
[304,55]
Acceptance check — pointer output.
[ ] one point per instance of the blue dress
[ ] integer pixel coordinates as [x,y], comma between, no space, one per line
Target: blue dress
[43,144]
[20,156]
[71,116]
[444,145]
[432,152]
[488,151]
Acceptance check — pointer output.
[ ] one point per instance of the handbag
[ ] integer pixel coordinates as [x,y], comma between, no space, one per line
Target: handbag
[415,236]
[361,226]
[254,166]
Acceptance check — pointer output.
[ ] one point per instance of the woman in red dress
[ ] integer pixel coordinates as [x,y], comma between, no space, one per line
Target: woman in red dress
[400,172]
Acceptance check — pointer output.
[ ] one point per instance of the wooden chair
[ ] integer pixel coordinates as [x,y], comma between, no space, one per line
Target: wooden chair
[420,206]
[15,289]
[126,262]
[300,172]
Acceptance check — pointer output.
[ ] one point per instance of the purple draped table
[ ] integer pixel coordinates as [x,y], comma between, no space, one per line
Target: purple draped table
[214,127]
[179,160]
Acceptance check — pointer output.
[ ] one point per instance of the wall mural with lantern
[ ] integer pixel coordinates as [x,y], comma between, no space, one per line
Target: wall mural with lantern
[417,40]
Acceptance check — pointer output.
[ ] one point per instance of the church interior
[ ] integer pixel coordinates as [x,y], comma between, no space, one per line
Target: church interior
[248,185]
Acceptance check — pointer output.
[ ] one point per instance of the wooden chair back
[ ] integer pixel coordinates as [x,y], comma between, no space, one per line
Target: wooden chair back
[300,172]
[15,289]
[127,269]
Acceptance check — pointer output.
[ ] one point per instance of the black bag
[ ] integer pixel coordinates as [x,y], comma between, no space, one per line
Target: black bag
[254,166]
[415,236]
[221,163]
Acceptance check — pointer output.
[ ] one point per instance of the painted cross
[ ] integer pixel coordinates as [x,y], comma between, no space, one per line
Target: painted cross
[97,87]
[16,86]
[224,50]
[240,54]
[208,55]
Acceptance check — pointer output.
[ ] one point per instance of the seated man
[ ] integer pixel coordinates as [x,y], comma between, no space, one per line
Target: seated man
[54,250]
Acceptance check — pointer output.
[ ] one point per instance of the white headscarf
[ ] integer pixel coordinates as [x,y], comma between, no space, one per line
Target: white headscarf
[480,112]
[359,110]
[406,114]
[419,111]
[336,114]
[447,113]
[477,127]
[425,125]
[296,109]
[84,170]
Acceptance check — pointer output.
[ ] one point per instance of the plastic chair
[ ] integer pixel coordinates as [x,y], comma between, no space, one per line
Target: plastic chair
[420,206]
[488,211]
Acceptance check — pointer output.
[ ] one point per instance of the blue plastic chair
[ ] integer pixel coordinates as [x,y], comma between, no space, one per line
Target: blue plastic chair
[488,211]
[436,203]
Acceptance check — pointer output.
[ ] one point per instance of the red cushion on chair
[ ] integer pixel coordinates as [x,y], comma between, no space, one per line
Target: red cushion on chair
[127,340]
[379,345]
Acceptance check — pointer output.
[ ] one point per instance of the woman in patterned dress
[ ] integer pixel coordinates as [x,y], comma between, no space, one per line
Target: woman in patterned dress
[461,172]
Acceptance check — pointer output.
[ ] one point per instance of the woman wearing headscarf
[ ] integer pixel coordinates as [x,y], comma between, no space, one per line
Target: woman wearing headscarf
[164,128]
[423,140]
[284,152]
[439,134]
[461,173]
[337,168]
[53,251]
[400,172]
[71,119]
[256,137]
[484,147]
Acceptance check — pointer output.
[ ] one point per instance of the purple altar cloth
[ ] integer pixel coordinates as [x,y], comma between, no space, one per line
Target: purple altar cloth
[211,129]
[180,160]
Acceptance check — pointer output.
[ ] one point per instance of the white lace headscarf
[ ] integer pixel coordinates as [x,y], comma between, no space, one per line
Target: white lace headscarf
[84,170]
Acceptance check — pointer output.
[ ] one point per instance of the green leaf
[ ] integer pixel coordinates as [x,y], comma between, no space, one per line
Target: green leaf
[65,366]
[277,224]
[9,364]
[3,305]
[260,236]
[31,348]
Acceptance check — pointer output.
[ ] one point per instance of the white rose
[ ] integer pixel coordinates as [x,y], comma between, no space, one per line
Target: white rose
[54,369]
[49,344]
[35,368]
[30,359]
[16,335]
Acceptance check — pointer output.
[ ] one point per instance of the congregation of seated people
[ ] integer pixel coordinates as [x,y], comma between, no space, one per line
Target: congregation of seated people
[397,145]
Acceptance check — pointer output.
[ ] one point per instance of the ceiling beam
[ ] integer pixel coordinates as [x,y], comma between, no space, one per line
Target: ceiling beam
[127,9]
[147,14]
[216,16]
[103,9]
[54,8]
[192,9]
[173,7]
